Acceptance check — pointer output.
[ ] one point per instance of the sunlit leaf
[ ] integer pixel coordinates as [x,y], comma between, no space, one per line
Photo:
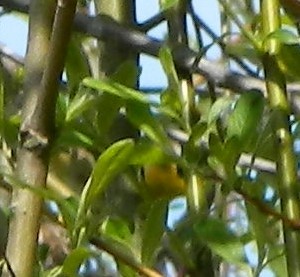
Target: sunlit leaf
[277,260]
[287,58]
[246,115]
[111,162]
[53,272]
[166,60]
[70,137]
[117,229]
[146,152]
[116,89]
[80,103]
[284,36]
[141,117]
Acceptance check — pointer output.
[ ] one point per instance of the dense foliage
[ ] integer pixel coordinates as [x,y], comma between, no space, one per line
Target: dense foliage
[95,168]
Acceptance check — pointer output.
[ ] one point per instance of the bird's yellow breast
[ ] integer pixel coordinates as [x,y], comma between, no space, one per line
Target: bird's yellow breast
[164,181]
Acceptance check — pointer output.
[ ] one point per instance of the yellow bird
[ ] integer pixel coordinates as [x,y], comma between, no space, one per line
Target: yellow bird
[164,181]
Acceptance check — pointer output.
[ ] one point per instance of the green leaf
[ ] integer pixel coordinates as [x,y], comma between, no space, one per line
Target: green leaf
[230,155]
[169,100]
[284,36]
[218,108]
[277,260]
[62,104]
[116,89]
[126,74]
[74,260]
[117,229]
[215,234]
[288,60]
[178,247]
[215,145]
[80,103]
[140,116]
[198,131]
[194,151]
[126,270]
[71,138]
[110,104]
[111,163]
[108,108]
[146,152]
[166,60]
[154,228]
[68,209]
[120,250]
[53,272]
[247,113]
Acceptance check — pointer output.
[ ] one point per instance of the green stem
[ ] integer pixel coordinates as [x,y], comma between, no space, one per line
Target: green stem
[286,162]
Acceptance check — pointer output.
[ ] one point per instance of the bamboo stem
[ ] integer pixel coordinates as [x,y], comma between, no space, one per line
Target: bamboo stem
[286,162]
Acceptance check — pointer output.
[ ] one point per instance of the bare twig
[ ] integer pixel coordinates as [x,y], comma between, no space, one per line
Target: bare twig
[151,22]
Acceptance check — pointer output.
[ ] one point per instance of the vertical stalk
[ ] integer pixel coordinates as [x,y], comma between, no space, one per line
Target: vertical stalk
[177,27]
[286,162]
[31,168]
[112,54]
[176,18]
[38,125]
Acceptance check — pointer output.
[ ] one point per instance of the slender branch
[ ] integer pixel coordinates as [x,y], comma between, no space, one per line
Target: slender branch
[151,23]
[104,28]
[235,18]
[123,257]
[37,128]
[265,209]
[199,22]
[32,166]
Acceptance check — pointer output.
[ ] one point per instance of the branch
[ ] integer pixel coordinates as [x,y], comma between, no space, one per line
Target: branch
[265,209]
[31,167]
[120,255]
[104,28]
[40,86]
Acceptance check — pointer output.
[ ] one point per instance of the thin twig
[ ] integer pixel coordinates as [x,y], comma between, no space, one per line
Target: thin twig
[151,23]
[117,254]
[265,209]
